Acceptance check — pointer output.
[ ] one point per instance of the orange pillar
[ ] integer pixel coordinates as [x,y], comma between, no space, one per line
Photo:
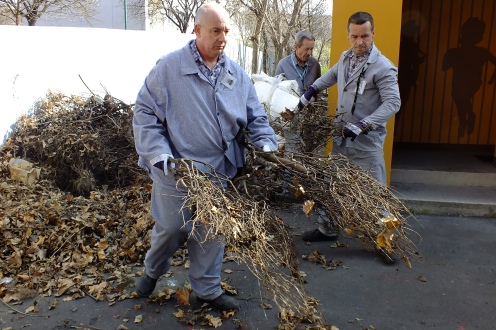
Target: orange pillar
[387,26]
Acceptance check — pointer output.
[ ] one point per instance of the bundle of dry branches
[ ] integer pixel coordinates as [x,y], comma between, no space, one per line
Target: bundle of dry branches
[314,124]
[261,239]
[358,203]
[344,193]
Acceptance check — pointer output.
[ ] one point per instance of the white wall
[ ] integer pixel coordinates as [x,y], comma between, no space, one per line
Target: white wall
[35,59]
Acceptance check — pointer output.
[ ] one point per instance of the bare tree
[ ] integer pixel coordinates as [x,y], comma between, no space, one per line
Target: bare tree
[282,25]
[134,8]
[32,10]
[181,13]
[4,16]
[257,11]
[316,19]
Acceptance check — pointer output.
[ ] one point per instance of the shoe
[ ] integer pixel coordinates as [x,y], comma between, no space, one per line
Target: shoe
[146,286]
[388,259]
[222,302]
[316,236]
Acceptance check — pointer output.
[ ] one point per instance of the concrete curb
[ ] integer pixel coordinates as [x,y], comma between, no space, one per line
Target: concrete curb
[447,200]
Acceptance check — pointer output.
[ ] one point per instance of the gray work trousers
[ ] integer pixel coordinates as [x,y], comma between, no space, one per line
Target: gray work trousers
[372,161]
[171,229]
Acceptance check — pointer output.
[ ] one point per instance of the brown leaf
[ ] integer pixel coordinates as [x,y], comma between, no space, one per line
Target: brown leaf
[308,207]
[54,304]
[348,231]
[23,278]
[213,321]
[183,296]
[179,314]
[63,286]
[287,114]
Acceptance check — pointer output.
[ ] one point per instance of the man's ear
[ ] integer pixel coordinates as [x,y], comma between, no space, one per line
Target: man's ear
[197,30]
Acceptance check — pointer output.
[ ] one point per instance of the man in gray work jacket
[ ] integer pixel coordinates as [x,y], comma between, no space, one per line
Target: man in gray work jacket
[300,65]
[368,95]
[305,69]
[193,105]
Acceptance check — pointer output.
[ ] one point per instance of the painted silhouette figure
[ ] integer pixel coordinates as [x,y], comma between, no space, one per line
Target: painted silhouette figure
[467,62]
[409,62]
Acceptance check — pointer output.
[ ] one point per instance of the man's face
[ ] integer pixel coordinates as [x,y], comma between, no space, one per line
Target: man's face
[304,51]
[211,36]
[360,37]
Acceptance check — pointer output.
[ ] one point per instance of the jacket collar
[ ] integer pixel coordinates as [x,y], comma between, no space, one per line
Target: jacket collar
[189,66]
[374,54]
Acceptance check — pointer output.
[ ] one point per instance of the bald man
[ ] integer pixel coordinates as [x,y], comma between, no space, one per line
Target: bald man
[197,87]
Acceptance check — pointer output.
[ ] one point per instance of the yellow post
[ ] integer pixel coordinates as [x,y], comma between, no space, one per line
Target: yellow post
[387,26]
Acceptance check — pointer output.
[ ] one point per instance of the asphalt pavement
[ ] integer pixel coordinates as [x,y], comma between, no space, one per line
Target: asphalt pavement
[452,287]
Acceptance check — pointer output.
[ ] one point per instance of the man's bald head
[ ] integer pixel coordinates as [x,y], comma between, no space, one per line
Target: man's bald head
[208,9]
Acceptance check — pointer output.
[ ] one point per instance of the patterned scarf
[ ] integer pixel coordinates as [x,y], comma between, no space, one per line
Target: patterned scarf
[357,60]
[213,74]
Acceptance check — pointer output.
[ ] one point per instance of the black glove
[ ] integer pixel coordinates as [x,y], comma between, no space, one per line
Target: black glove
[307,98]
[353,130]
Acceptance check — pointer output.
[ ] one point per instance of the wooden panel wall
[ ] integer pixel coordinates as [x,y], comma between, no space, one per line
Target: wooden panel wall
[449,43]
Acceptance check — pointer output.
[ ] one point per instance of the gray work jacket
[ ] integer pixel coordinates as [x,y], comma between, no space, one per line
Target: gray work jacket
[179,113]
[288,67]
[379,101]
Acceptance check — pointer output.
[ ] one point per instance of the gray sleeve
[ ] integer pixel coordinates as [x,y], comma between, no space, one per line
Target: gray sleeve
[149,125]
[328,79]
[387,86]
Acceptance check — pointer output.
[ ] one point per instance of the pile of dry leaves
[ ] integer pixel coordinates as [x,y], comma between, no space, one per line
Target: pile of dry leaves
[76,231]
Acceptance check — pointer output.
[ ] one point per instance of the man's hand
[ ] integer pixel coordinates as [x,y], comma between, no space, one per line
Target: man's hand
[353,130]
[307,98]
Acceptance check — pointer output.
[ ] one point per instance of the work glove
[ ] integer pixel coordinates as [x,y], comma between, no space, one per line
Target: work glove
[164,165]
[266,148]
[351,130]
[307,98]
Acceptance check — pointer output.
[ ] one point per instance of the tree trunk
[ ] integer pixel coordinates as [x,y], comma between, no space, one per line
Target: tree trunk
[256,36]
